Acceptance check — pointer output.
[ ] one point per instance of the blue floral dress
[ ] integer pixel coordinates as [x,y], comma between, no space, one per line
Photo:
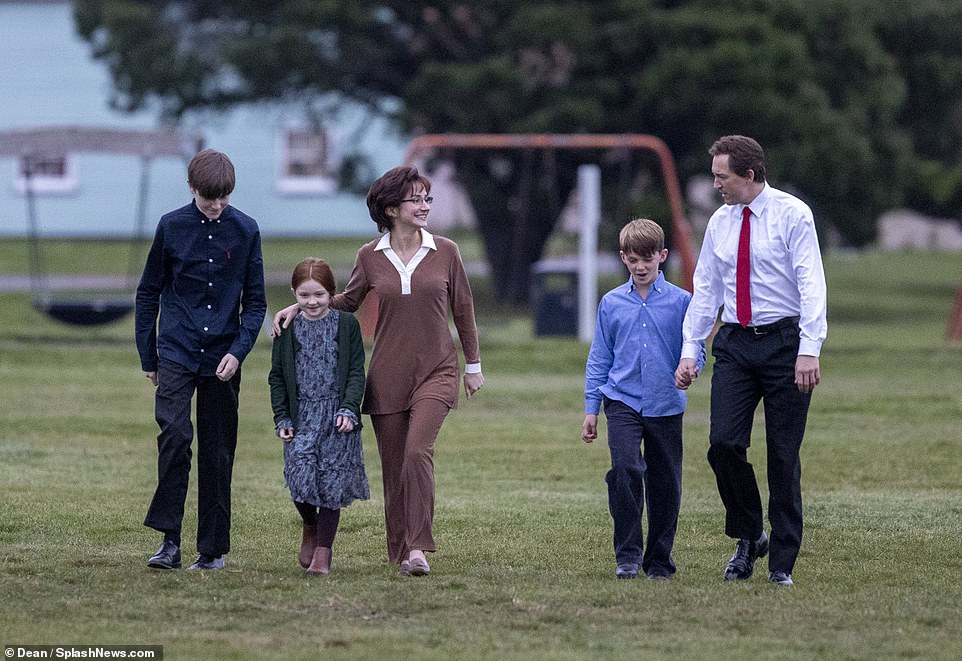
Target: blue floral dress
[322,466]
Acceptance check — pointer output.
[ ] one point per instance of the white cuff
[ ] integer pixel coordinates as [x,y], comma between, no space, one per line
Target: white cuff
[809,347]
[691,349]
[472,368]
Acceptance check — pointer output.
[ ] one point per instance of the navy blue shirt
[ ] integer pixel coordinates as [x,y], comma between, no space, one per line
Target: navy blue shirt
[206,280]
[636,348]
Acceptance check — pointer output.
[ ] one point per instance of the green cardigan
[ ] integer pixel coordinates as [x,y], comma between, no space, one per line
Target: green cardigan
[350,370]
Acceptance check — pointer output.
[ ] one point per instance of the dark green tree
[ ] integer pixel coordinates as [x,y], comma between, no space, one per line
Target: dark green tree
[827,86]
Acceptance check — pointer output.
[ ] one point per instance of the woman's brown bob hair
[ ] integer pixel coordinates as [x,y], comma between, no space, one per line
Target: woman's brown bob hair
[388,191]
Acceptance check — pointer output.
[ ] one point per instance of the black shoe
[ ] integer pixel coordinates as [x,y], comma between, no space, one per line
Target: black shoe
[741,566]
[780,577]
[658,575]
[207,562]
[627,570]
[167,556]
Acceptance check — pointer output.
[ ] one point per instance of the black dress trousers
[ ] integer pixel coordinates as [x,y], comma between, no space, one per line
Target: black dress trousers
[216,441]
[750,366]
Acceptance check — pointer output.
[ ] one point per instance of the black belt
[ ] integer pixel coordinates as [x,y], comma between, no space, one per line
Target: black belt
[767,328]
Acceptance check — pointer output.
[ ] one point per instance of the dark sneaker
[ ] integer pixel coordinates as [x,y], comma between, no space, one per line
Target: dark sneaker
[741,566]
[780,577]
[167,556]
[207,563]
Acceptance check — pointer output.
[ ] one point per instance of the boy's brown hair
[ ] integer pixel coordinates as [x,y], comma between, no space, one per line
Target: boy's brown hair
[642,237]
[312,268]
[388,191]
[211,174]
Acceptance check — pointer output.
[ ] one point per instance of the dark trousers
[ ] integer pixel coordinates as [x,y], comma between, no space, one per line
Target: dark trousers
[749,368]
[636,479]
[216,441]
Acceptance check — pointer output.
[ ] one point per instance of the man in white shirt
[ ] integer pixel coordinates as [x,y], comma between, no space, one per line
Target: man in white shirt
[760,262]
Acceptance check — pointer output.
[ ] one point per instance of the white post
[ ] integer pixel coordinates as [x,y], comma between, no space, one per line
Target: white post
[589,202]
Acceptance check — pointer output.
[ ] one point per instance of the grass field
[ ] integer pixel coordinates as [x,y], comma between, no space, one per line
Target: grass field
[524,568]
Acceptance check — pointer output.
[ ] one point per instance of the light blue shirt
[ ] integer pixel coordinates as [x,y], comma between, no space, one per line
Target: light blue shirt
[636,348]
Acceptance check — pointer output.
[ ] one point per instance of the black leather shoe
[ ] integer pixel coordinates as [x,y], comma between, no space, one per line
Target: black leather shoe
[780,577]
[167,557]
[741,566]
[207,563]
[627,570]
[658,575]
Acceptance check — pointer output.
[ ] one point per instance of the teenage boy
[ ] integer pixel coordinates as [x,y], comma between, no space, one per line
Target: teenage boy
[205,277]
[631,369]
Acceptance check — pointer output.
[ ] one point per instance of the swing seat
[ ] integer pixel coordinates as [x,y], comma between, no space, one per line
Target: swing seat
[85,313]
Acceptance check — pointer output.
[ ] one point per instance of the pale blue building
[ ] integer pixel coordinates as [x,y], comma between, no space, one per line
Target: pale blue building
[286,169]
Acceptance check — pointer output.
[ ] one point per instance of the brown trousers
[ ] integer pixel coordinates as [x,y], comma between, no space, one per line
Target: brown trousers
[405,443]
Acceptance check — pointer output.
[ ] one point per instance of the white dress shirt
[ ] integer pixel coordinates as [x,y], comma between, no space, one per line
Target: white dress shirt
[787,279]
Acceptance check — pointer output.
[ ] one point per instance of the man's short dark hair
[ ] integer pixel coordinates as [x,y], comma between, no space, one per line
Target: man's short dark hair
[744,154]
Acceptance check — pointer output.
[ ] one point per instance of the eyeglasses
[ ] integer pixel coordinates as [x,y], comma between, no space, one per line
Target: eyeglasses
[419,199]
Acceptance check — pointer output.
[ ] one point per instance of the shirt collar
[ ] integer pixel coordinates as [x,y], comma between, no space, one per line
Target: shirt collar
[224,215]
[658,285]
[427,241]
[760,202]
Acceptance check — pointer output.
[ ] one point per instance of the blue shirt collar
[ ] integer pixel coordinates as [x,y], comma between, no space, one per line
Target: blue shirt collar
[658,285]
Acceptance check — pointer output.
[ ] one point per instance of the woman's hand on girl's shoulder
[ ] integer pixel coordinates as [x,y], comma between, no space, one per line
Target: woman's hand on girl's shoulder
[286,316]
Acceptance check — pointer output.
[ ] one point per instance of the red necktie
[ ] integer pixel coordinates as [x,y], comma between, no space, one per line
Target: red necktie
[743,271]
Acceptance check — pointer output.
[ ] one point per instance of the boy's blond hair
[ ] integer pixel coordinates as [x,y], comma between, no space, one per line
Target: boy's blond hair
[642,237]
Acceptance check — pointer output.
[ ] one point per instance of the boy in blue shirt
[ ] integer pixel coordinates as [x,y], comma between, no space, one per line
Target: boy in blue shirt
[631,370]
[204,276]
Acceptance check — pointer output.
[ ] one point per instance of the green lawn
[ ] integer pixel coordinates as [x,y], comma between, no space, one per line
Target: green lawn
[524,568]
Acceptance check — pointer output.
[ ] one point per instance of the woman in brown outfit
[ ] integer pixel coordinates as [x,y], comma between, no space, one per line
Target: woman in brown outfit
[413,376]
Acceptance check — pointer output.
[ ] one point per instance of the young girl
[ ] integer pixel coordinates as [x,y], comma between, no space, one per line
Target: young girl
[317,381]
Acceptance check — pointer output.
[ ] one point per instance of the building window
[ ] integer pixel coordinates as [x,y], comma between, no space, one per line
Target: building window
[49,175]
[304,167]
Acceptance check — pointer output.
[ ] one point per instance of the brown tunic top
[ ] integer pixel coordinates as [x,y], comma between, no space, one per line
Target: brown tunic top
[414,356]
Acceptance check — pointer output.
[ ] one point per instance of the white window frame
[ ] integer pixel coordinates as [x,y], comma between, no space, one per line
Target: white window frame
[316,183]
[48,184]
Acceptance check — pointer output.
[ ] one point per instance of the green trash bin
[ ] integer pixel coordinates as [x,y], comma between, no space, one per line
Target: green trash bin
[554,296]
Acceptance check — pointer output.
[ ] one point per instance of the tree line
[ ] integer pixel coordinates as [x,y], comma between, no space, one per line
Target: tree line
[857,102]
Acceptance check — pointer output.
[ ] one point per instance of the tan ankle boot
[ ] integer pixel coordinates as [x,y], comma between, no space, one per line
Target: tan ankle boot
[308,544]
[321,562]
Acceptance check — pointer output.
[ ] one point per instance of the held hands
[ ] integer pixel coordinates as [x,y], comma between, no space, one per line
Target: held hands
[472,383]
[686,373]
[807,373]
[286,434]
[283,319]
[589,428]
[153,377]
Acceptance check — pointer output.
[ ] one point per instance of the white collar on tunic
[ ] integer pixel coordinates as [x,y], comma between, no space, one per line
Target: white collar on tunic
[405,270]
[427,241]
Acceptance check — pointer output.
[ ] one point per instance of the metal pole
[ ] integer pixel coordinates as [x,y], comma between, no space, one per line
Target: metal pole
[589,201]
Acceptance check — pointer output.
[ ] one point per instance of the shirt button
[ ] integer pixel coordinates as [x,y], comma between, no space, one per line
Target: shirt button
[211,261]
[210,284]
[202,351]
[644,325]
[205,327]
[208,307]
[210,236]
